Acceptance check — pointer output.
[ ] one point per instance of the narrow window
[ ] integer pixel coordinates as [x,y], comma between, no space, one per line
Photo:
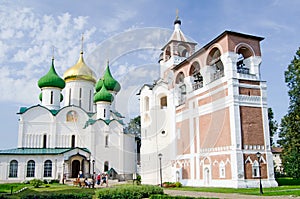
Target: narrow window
[80,93]
[163,102]
[13,169]
[30,168]
[69,96]
[106,166]
[73,141]
[45,141]
[255,171]
[48,168]
[104,113]
[222,170]
[90,101]
[51,97]
[106,141]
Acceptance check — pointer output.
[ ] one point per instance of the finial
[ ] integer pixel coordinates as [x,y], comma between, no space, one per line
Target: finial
[82,42]
[107,62]
[53,52]
[177,17]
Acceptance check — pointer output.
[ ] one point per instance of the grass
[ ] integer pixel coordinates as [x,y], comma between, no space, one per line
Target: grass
[285,190]
[273,191]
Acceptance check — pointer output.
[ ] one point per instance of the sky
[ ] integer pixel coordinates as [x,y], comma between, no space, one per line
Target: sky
[130,35]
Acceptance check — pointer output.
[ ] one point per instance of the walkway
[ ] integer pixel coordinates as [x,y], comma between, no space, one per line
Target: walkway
[220,195]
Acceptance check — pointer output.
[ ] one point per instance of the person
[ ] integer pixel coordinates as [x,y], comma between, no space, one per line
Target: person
[104,179]
[87,183]
[98,178]
[80,175]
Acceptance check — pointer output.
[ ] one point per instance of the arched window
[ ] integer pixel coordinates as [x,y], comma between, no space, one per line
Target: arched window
[167,53]
[197,77]
[30,168]
[73,141]
[13,169]
[163,102]
[183,51]
[106,166]
[214,60]
[255,169]
[48,168]
[243,53]
[72,116]
[180,78]
[146,103]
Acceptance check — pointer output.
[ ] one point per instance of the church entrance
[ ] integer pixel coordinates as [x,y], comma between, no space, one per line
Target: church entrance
[75,168]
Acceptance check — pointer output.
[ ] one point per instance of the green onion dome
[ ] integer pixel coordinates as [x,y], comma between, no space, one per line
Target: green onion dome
[103,95]
[110,83]
[51,79]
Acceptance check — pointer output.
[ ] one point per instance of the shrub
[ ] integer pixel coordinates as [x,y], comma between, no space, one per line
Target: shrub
[128,191]
[36,183]
[178,184]
[58,196]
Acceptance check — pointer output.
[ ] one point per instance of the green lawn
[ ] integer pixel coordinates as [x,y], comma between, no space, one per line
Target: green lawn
[287,190]
[274,191]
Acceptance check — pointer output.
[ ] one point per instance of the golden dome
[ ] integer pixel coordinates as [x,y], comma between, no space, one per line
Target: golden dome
[80,71]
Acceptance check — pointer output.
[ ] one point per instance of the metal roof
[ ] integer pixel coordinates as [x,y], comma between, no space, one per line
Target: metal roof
[38,151]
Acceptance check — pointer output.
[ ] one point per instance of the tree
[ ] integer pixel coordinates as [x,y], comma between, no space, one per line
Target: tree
[290,123]
[273,125]
[134,127]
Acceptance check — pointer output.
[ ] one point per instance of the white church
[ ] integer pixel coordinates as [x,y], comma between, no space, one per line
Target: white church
[84,135]
[204,121]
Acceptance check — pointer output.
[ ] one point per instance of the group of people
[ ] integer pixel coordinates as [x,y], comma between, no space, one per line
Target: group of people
[102,179]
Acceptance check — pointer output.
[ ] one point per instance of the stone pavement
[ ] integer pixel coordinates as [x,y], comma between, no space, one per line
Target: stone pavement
[221,195]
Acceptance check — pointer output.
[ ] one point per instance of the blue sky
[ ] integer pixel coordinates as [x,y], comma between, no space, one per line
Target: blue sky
[130,34]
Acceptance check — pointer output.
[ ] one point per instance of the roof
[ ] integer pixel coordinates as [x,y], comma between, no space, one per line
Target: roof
[110,83]
[51,79]
[38,151]
[80,71]
[205,47]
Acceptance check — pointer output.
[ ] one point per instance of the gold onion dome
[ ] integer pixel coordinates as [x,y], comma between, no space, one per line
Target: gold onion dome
[103,95]
[80,71]
[109,82]
[51,79]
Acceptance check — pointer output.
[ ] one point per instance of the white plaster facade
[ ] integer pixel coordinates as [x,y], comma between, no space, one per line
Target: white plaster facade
[69,139]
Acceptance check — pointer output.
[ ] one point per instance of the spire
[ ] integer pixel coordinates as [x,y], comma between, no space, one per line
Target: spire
[82,38]
[177,20]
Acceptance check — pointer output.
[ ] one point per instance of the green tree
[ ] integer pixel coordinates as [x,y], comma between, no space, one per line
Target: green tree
[134,127]
[273,125]
[290,123]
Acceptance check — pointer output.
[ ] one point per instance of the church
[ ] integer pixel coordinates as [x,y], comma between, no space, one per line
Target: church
[83,136]
[204,121]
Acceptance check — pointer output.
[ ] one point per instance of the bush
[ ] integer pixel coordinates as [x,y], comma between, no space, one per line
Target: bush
[36,183]
[172,184]
[58,196]
[287,181]
[128,191]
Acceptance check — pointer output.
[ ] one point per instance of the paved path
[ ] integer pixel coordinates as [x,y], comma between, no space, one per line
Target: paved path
[221,195]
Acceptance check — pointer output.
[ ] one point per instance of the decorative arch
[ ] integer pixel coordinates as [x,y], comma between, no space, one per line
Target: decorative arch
[183,50]
[214,60]
[168,53]
[180,78]
[197,77]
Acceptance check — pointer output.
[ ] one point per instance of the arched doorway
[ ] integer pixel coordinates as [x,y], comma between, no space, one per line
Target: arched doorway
[75,168]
